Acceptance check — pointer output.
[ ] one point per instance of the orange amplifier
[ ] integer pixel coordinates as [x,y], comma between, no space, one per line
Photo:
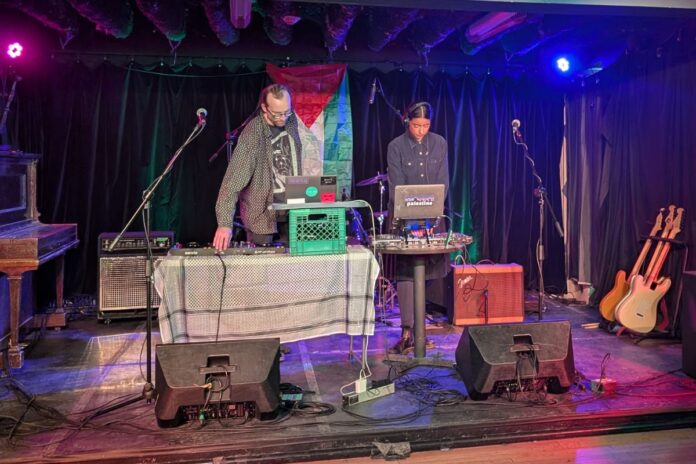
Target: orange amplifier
[468,285]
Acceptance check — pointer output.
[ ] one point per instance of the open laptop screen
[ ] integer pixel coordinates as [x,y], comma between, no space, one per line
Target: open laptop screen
[425,201]
[310,189]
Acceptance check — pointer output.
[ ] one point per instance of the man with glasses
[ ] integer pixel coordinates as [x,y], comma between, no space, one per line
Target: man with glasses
[268,150]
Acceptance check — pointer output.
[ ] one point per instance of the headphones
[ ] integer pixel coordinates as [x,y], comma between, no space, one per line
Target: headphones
[406,118]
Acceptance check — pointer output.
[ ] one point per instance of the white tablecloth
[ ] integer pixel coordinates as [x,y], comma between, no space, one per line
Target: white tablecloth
[266,296]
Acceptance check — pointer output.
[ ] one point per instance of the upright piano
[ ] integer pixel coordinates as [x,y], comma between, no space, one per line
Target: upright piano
[26,243]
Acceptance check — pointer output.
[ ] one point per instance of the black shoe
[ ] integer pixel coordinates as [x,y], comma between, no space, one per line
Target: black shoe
[405,343]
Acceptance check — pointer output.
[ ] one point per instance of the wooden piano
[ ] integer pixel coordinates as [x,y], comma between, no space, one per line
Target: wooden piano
[26,243]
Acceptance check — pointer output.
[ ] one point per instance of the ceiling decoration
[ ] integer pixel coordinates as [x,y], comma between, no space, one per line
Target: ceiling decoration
[219,21]
[343,26]
[114,18]
[434,28]
[55,14]
[337,24]
[168,17]
[386,24]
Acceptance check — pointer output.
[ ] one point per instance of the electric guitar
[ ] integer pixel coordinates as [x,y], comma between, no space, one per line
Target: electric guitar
[669,221]
[638,310]
[620,288]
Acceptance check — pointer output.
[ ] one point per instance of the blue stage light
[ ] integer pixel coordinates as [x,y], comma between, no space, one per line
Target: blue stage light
[563,64]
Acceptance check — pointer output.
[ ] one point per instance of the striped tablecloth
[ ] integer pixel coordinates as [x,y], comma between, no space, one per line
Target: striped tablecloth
[265,296]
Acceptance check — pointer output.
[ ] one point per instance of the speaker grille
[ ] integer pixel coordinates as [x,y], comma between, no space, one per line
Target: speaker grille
[122,283]
[503,282]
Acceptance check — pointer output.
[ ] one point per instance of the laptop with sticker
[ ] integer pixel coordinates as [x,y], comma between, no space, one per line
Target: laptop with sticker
[310,189]
[426,201]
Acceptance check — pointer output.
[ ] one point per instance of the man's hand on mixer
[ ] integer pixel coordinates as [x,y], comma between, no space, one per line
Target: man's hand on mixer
[222,238]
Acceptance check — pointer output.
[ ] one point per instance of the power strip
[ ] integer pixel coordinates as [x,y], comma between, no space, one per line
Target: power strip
[368,395]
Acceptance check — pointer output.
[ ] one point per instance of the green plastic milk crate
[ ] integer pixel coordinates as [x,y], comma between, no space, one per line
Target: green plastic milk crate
[317,231]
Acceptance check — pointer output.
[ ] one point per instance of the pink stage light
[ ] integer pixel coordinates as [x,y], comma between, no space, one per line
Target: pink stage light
[14,50]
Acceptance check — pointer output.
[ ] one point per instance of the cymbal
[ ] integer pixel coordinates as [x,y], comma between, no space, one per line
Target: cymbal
[384,213]
[372,180]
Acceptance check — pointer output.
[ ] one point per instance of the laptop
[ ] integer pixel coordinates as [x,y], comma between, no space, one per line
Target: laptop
[426,201]
[310,189]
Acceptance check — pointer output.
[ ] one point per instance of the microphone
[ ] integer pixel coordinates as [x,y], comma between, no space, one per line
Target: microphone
[516,126]
[373,91]
[202,113]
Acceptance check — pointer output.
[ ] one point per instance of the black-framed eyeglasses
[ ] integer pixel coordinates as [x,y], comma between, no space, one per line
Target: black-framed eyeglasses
[274,115]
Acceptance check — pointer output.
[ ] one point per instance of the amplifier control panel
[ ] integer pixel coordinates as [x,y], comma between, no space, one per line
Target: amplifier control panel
[134,242]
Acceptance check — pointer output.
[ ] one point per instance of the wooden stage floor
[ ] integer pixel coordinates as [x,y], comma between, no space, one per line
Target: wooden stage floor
[48,409]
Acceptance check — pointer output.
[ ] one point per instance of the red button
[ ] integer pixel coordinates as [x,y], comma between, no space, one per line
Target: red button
[328,197]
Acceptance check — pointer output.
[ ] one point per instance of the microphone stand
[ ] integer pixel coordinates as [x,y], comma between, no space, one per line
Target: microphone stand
[144,208]
[380,91]
[540,193]
[380,218]
[230,138]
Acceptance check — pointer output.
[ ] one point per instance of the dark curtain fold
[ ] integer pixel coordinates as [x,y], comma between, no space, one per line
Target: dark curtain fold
[631,151]
[491,194]
[106,132]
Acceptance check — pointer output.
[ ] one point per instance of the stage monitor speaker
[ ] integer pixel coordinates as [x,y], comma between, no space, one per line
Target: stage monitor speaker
[688,323]
[497,358]
[243,378]
[469,285]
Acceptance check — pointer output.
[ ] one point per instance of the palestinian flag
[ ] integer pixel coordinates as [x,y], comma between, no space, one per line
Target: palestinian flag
[321,101]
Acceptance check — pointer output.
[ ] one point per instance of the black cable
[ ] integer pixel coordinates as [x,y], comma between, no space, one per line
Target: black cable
[312,409]
[222,294]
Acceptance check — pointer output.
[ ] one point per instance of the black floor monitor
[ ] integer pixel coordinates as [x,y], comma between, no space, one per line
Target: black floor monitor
[499,358]
[216,380]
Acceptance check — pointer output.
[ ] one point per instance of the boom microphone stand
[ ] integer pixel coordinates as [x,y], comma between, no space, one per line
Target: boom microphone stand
[231,137]
[540,193]
[144,208]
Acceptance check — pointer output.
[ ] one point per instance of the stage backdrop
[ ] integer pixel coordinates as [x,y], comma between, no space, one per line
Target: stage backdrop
[106,131]
[321,100]
[631,151]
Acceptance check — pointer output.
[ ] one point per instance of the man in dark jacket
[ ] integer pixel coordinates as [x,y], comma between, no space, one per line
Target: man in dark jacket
[268,151]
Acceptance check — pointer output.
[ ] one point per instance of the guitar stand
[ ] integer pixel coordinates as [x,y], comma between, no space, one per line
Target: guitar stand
[667,327]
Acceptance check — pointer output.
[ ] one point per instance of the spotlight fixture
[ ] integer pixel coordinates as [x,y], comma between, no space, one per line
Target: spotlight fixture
[14,50]
[563,64]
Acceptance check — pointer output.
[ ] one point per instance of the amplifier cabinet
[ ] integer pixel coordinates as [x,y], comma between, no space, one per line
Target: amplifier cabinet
[122,284]
[467,288]
[122,280]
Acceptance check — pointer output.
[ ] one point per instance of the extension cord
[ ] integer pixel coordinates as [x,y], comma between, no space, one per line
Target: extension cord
[607,386]
[371,394]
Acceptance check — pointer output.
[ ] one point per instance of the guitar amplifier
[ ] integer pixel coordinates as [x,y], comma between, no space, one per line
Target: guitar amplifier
[468,286]
[122,283]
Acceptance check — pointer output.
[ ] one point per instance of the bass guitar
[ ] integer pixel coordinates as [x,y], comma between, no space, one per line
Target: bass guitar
[608,304]
[638,310]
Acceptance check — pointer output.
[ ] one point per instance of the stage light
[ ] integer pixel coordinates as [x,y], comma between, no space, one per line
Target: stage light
[563,64]
[14,50]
